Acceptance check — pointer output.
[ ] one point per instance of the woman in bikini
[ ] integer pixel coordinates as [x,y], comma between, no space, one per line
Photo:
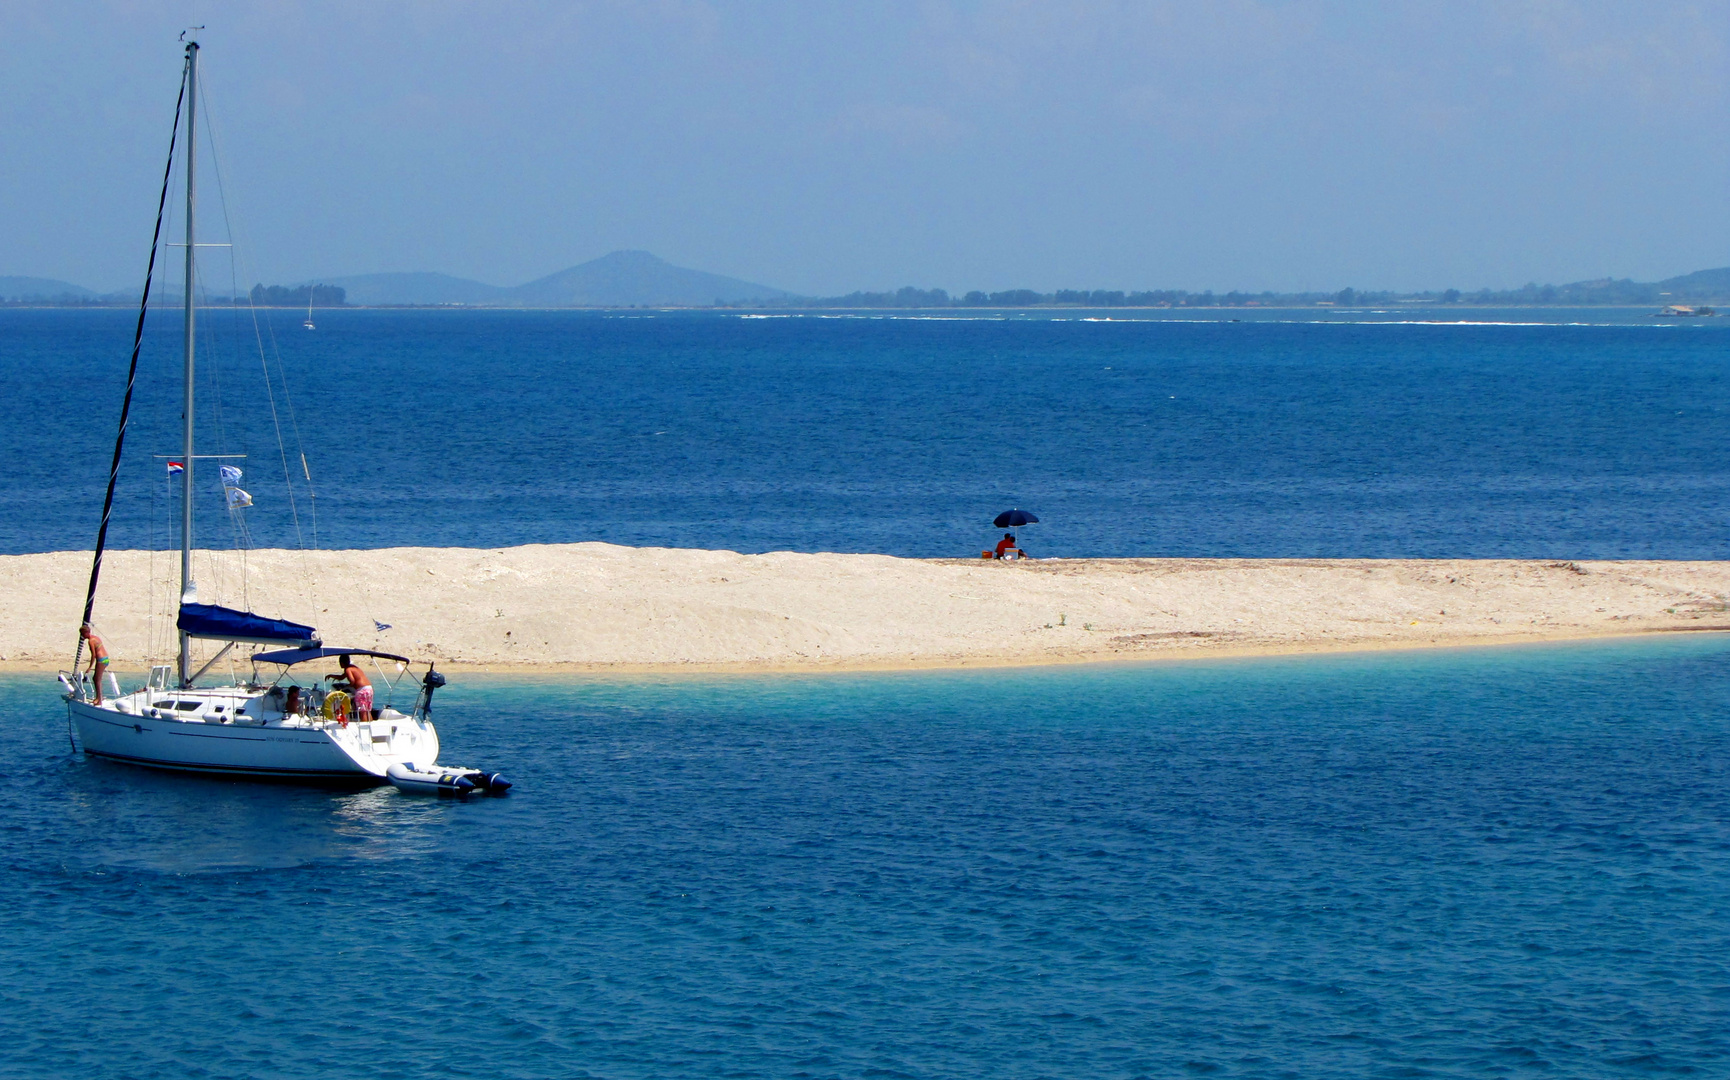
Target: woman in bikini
[98,658]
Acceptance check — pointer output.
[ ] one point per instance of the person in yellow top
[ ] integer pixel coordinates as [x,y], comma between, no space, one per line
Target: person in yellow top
[98,658]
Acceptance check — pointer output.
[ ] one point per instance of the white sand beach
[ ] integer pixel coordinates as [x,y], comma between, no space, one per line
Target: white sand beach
[595,607]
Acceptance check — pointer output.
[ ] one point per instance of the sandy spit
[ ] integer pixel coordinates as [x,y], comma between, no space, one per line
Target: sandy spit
[600,607]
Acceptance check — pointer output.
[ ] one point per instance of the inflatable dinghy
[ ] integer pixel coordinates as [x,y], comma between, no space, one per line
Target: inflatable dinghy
[445,780]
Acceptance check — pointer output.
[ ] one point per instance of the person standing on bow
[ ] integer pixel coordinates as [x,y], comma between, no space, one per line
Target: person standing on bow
[98,658]
[360,686]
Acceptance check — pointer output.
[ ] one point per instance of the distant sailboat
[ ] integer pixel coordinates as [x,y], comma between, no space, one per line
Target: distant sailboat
[264,725]
[308,322]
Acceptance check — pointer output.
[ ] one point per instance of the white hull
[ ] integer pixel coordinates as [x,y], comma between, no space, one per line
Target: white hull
[232,731]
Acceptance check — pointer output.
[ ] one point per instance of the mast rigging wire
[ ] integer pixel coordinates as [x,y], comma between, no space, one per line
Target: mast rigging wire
[131,377]
[264,360]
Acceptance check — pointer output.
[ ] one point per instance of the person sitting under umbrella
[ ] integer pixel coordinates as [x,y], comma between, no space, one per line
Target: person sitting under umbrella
[1011,519]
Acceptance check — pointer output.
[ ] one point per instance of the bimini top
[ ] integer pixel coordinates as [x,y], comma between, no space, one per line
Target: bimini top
[227,624]
[288,657]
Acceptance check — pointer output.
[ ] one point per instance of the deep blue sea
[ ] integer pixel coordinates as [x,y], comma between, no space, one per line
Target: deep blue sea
[1444,864]
[1597,434]
[1447,864]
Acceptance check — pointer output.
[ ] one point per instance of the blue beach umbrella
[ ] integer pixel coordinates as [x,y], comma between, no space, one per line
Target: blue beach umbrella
[1010,519]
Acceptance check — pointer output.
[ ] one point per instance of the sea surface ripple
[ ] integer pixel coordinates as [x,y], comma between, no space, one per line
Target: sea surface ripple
[1452,864]
[904,436]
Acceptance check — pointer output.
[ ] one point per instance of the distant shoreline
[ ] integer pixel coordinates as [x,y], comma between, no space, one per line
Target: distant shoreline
[601,608]
[627,280]
[913,666]
[959,312]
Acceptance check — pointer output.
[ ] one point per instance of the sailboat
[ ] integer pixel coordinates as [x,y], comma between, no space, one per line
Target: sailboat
[265,725]
[308,323]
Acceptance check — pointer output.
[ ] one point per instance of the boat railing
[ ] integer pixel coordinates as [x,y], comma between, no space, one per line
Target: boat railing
[75,685]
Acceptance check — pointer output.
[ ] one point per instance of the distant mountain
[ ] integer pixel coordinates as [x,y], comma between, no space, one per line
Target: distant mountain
[423,288]
[637,278]
[622,279]
[24,289]
[1700,285]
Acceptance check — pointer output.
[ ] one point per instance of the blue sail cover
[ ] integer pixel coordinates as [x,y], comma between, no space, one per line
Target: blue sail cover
[290,657]
[227,624]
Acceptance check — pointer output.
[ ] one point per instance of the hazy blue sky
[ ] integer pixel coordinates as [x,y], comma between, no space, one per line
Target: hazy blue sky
[826,147]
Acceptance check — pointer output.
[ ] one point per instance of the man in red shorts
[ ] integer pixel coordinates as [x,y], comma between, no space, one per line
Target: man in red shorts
[360,686]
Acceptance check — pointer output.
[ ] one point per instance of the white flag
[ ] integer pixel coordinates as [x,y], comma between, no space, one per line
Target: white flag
[237,498]
[230,475]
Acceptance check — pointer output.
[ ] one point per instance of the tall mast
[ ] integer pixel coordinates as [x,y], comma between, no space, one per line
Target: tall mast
[188,587]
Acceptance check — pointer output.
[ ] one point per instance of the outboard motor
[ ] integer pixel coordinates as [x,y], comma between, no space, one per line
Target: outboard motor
[432,682]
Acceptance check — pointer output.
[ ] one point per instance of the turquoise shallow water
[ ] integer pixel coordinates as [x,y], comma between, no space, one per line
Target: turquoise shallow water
[1468,864]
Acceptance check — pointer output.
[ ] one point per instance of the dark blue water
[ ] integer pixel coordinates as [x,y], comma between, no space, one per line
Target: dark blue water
[1442,865]
[902,436]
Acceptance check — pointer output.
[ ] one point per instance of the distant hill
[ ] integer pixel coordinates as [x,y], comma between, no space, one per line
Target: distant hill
[306,296]
[637,278]
[622,279]
[387,289]
[1700,285]
[25,289]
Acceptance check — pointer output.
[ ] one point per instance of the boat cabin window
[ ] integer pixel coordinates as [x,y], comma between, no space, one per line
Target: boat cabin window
[188,706]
